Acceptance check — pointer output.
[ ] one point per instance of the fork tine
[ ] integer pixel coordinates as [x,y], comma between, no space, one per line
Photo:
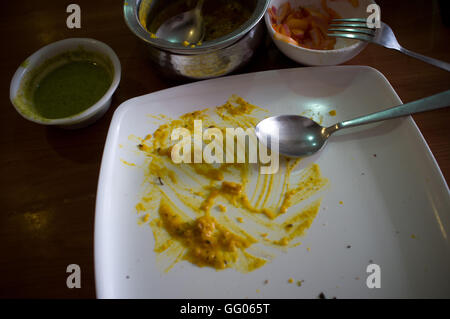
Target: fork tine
[355,36]
[350,20]
[350,25]
[364,31]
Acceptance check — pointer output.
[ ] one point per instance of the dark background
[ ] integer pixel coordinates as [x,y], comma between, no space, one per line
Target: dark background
[48,176]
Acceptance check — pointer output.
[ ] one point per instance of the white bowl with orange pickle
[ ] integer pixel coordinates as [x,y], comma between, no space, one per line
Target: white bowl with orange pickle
[298,28]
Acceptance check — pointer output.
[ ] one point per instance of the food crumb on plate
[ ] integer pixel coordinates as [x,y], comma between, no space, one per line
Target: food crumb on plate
[145,218]
[322,296]
[222,208]
[127,163]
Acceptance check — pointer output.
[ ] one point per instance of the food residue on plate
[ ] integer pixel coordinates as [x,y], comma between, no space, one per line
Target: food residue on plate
[224,215]
[127,163]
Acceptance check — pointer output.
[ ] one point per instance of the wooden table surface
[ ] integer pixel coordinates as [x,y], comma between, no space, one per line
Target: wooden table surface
[49,176]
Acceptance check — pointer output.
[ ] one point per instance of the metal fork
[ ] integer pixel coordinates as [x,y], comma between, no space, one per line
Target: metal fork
[357,29]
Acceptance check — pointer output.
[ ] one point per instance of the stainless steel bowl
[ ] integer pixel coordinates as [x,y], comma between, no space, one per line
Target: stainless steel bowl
[211,59]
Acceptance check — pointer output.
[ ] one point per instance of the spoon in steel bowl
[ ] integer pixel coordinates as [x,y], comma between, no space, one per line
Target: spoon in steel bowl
[188,26]
[298,136]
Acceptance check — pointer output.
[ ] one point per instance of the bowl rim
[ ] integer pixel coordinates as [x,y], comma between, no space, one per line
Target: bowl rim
[42,54]
[333,51]
[130,10]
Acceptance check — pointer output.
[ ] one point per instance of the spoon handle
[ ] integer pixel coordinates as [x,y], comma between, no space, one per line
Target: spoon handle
[433,102]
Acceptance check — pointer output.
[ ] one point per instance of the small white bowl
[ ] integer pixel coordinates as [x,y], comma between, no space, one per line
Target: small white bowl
[88,116]
[345,49]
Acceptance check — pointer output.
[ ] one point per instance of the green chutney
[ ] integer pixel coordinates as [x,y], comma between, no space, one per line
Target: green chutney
[70,89]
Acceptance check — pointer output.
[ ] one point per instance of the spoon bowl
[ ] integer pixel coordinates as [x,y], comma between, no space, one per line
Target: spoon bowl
[298,136]
[187,26]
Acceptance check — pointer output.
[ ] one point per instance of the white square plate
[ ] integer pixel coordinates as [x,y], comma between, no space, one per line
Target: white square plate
[395,209]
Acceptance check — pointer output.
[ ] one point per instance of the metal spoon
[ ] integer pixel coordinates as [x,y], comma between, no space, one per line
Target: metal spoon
[188,26]
[298,136]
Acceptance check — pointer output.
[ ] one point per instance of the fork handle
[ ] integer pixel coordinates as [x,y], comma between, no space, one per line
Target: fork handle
[429,103]
[435,62]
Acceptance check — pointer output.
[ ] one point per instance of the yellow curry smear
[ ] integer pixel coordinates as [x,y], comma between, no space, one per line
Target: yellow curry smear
[224,215]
